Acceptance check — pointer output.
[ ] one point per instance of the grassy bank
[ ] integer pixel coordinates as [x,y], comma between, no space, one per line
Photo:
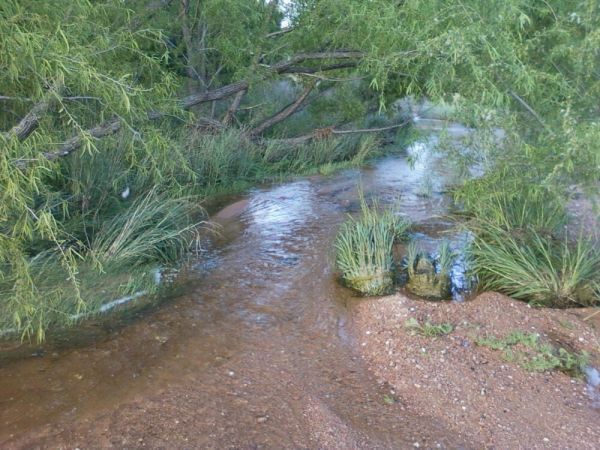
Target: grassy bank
[525,245]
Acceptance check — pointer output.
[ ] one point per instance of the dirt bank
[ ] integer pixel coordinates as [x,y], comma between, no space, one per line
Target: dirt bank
[473,390]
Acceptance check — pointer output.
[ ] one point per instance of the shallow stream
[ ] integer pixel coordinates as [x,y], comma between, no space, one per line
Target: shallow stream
[255,332]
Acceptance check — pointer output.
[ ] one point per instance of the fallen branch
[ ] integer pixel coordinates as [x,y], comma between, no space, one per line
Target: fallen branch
[372,130]
[288,66]
[283,114]
[529,109]
[284,66]
[280,32]
[29,123]
[322,133]
[104,129]
[230,114]
[214,94]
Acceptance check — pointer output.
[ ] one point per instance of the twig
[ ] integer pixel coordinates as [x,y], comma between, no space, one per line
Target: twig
[530,110]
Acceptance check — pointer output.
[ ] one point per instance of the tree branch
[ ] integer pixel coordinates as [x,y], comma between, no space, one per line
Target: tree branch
[310,70]
[214,94]
[283,114]
[321,133]
[230,114]
[372,130]
[282,67]
[29,123]
[279,33]
[531,111]
[104,129]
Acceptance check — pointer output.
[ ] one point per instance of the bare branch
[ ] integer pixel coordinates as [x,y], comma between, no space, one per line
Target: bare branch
[284,113]
[531,111]
[312,70]
[279,33]
[284,66]
[287,66]
[372,130]
[214,94]
[29,123]
[230,114]
[104,129]
[322,133]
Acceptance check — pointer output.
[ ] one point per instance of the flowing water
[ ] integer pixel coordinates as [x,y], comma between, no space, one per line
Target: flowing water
[253,350]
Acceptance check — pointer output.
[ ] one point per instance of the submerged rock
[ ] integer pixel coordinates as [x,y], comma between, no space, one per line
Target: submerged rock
[378,283]
[425,282]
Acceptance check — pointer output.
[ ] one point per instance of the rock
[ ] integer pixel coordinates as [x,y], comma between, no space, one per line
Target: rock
[425,282]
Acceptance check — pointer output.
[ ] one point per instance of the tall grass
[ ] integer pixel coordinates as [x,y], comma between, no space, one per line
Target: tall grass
[513,205]
[155,228]
[126,208]
[364,249]
[522,248]
[537,268]
[124,254]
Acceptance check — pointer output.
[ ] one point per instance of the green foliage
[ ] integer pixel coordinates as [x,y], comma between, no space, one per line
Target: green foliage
[528,351]
[445,258]
[521,247]
[51,300]
[156,228]
[525,66]
[511,204]
[537,268]
[428,329]
[364,249]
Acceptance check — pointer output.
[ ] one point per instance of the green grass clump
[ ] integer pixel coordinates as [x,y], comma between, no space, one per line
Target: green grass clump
[428,329]
[155,228]
[537,268]
[429,276]
[529,352]
[521,247]
[445,258]
[364,249]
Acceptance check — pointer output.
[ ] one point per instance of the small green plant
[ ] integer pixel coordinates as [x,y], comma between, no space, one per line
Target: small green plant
[529,352]
[413,252]
[445,258]
[429,329]
[389,399]
[364,249]
[428,277]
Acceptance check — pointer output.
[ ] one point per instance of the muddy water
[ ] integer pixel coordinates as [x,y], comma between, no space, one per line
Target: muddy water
[255,351]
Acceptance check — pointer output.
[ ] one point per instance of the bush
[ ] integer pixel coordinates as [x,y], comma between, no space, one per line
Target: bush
[364,249]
